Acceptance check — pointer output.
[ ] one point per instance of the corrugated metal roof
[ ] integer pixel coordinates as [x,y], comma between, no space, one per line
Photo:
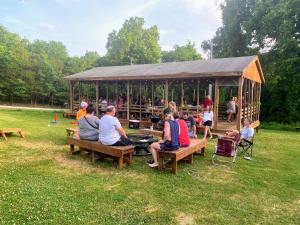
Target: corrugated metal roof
[198,68]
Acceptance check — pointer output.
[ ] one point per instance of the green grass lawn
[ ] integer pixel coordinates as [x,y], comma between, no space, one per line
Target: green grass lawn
[41,183]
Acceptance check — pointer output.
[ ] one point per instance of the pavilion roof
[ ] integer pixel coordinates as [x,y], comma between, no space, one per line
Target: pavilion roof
[219,67]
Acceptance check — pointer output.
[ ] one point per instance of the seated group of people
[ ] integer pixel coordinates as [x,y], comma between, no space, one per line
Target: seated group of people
[107,130]
[176,133]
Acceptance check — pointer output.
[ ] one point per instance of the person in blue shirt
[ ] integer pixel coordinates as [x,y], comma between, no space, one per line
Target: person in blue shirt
[170,140]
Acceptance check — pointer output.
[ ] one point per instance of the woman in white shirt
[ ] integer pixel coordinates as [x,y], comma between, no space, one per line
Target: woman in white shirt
[208,116]
[231,109]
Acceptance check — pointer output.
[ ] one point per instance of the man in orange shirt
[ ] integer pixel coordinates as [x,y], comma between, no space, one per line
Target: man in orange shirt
[82,111]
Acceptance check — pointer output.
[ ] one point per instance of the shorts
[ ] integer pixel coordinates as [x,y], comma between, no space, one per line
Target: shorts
[123,141]
[207,123]
[230,111]
[166,147]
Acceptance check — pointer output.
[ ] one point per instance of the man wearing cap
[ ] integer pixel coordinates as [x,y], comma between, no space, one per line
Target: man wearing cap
[110,130]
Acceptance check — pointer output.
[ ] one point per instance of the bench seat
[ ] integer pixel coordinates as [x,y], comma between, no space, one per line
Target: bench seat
[122,153]
[4,131]
[183,152]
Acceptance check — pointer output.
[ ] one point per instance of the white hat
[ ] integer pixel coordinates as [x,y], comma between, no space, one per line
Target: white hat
[83,105]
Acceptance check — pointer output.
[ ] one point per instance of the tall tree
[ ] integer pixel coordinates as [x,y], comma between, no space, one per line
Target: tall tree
[14,60]
[133,43]
[269,28]
[181,53]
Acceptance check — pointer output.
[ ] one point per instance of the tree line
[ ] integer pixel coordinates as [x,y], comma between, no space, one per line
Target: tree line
[33,72]
[270,29]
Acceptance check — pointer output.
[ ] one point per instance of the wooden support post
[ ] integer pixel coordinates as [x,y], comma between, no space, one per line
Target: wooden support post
[198,92]
[71,96]
[140,100]
[117,93]
[239,97]
[182,93]
[216,104]
[166,97]
[252,99]
[152,95]
[249,98]
[259,94]
[79,94]
[97,98]
[128,100]
[107,93]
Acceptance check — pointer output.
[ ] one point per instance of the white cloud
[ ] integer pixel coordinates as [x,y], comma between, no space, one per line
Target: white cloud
[166,31]
[10,21]
[139,9]
[198,7]
[47,26]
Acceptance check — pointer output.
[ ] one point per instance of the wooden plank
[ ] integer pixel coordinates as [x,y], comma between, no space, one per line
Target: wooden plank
[182,94]
[259,95]
[71,96]
[216,104]
[4,131]
[166,97]
[253,71]
[107,92]
[97,98]
[240,94]
[140,103]
[152,95]
[164,76]
[116,151]
[128,100]
[181,153]
[198,93]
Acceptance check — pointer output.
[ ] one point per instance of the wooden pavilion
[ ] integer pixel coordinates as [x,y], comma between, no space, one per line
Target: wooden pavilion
[177,81]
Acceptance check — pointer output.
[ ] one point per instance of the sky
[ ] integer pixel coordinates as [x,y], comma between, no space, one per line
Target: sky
[85,24]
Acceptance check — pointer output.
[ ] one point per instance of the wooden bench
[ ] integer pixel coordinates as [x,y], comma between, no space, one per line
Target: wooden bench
[69,114]
[181,153]
[71,131]
[4,131]
[122,153]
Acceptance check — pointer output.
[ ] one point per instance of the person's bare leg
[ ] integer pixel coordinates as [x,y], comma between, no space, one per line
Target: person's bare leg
[205,132]
[229,117]
[210,134]
[154,147]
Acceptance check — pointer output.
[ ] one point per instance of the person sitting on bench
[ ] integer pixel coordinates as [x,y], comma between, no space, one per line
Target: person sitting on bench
[82,111]
[110,129]
[184,138]
[170,140]
[191,123]
[89,125]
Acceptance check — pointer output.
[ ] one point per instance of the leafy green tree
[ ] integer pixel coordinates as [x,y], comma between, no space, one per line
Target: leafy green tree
[133,44]
[270,29]
[14,60]
[90,60]
[181,53]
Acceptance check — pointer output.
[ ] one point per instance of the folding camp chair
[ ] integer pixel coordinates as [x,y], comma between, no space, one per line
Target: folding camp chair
[226,147]
[245,147]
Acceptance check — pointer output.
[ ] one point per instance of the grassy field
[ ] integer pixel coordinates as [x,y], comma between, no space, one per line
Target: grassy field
[41,183]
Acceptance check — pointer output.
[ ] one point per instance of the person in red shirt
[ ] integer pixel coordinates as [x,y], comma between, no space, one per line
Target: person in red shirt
[207,102]
[184,138]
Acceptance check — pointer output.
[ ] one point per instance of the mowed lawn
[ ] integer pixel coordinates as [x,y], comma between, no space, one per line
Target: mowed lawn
[42,183]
